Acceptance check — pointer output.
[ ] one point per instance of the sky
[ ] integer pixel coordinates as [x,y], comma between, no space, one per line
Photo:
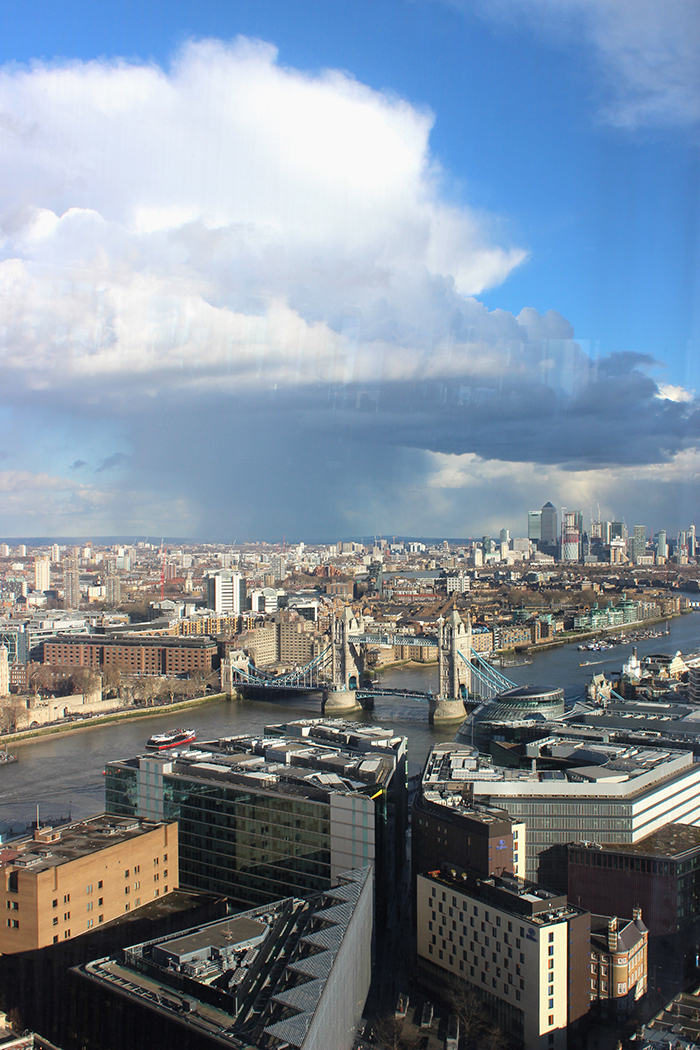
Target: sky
[379,267]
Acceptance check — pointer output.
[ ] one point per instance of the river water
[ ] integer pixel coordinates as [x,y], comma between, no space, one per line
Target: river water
[63,773]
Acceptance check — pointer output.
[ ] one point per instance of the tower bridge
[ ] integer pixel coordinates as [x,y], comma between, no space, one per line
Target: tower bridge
[338,671]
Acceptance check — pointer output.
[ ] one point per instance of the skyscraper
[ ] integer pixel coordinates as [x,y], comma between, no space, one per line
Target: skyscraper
[534,525]
[71,584]
[226,591]
[42,573]
[662,544]
[570,536]
[549,532]
[639,541]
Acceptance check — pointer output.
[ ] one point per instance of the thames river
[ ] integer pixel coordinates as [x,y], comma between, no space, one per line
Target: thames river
[63,774]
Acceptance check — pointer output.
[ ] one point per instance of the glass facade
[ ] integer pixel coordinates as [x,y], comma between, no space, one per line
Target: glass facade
[250,845]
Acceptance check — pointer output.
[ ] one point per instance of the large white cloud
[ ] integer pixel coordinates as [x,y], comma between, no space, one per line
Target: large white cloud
[232,269]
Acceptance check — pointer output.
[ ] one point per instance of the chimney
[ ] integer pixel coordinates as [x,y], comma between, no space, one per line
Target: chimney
[636,912]
[612,934]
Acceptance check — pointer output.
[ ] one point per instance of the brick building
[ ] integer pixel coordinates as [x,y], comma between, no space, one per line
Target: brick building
[65,881]
[143,654]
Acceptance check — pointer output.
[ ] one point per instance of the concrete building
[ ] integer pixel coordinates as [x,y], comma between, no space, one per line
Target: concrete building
[456,831]
[113,590]
[4,672]
[638,542]
[579,789]
[570,536]
[618,962]
[660,872]
[292,974]
[290,811]
[65,881]
[226,591]
[71,584]
[42,573]
[523,951]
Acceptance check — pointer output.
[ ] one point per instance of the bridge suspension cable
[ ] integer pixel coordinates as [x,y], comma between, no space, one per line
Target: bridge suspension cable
[309,676]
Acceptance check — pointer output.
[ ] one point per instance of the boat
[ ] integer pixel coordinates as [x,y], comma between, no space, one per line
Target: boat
[6,759]
[173,738]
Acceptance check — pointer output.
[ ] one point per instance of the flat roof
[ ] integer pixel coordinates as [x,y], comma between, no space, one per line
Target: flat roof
[673,840]
[77,839]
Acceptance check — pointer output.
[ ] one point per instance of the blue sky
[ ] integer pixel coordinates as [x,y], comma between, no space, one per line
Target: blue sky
[437,261]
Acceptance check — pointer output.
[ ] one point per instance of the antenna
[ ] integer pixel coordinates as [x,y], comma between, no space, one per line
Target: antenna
[37,816]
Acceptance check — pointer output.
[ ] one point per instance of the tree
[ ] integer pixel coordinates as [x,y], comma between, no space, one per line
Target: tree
[388,1034]
[473,1018]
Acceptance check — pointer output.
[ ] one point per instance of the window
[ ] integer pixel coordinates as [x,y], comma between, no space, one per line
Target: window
[55,920]
[88,889]
[55,939]
[126,907]
[100,902]
[551,1019]
[137,885]
[66,898]
[90,922]
[100,918]
[99,884]
[66,916]
[127,889]
[126,874]
[89,906]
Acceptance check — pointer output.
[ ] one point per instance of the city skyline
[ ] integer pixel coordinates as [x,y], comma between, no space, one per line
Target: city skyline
[408,268]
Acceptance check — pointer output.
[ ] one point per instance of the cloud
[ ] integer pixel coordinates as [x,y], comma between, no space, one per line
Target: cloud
[647,54]
[117,459]
[238,271]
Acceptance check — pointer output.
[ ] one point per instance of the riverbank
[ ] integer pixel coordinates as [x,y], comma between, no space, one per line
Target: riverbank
[585,636]
[27,736]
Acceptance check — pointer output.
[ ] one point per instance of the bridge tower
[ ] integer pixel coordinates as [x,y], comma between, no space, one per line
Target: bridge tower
[454,674]
[348,659]
[348,664]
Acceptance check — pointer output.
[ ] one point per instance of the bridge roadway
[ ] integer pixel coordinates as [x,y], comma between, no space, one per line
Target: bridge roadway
[364,693]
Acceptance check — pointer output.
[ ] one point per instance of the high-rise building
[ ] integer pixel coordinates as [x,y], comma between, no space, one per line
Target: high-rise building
[4,672]
[226,591]
[570,536]
[285,814]
[618,530]
[534,525]
[523,951]
[71,584]
[639,541]
[487,544]
[505,537]
[56,553]
[114,590]
[692,542]
[549,527]
[42,573]
[662,544]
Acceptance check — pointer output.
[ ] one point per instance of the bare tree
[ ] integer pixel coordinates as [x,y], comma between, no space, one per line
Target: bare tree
[473,1018]
[388,1034]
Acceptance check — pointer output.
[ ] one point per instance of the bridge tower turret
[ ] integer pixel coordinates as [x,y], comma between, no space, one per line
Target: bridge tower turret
[454,638]
[454,674]
[348,659]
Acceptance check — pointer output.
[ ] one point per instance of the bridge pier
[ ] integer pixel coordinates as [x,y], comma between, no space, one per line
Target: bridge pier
[339,701]
[444,710]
